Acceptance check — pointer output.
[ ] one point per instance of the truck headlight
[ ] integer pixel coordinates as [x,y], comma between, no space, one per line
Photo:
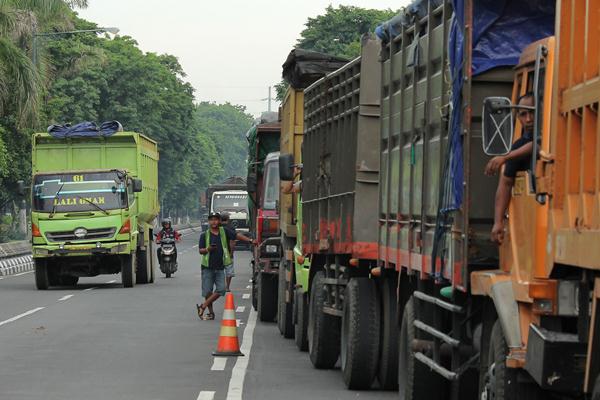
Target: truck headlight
[271,248]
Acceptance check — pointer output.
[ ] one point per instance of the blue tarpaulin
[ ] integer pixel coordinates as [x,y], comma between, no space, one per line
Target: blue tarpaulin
[501,30]
[85,129]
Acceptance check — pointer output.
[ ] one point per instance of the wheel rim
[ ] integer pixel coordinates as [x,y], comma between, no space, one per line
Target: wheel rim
[489,389]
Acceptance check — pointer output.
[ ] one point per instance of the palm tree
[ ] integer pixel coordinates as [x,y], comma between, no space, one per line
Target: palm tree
[20,80]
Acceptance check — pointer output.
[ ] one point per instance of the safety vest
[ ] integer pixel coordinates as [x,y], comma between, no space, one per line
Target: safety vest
[226,256]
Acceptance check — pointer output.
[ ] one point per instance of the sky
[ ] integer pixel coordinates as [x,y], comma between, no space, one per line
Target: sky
[231,50]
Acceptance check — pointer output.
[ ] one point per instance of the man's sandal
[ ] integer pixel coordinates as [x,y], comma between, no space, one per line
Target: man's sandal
[201,310]
[208,317]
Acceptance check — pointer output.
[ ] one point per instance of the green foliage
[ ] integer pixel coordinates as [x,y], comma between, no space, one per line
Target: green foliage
[339,30]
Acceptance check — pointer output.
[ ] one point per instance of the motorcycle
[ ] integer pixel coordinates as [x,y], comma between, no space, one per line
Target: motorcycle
[168,263]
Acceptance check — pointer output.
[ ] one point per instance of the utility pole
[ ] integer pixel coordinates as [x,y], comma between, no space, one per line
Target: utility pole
[269,98]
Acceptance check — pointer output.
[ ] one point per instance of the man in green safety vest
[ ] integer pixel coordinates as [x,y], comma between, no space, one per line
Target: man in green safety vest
[214,248]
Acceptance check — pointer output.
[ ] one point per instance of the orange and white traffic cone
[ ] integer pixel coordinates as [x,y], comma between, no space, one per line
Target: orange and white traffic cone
[229,344]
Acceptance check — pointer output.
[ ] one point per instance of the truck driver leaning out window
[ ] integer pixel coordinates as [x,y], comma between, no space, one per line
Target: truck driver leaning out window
[518,159]
[289,187]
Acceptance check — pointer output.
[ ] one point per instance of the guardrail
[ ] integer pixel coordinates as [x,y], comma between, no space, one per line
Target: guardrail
[15,257]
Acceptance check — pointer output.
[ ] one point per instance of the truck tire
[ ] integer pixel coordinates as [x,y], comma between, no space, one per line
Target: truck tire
[67,280]
[415,380]
[323,329]
[301,325]
[596,391]
[360,333]
[42,281]
[285,310]
[387,374]
[267,297]
[144,264]
[501,382]
[151,258]
[128,267]
[254,289]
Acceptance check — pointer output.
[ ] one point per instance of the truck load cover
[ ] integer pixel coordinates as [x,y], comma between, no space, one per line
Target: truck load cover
[341,158]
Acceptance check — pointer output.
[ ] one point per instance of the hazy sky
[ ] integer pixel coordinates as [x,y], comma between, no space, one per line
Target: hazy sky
[231,50]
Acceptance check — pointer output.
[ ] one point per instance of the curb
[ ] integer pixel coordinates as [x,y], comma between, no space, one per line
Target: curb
[15,265]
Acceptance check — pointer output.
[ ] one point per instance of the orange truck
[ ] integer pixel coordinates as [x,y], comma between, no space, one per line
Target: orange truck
[476,320]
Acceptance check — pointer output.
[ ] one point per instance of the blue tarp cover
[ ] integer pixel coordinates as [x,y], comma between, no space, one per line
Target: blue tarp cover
[85,129]
[501,30]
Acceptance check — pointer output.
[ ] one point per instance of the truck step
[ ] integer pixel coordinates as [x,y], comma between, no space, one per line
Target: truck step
[440,303]
[333,311]
[434,332]
[336,281]
[451,376]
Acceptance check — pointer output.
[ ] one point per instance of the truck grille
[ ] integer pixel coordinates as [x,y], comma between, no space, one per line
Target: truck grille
[238,223]
[92,234]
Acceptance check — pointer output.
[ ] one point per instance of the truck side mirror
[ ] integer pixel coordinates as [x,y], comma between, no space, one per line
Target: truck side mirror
[137,185]
[251,183]
[21,188]
[497,126]
[286,167]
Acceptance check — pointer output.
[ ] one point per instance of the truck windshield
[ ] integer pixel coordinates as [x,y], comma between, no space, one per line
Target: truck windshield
[79,192]
[230,202]
[271,196]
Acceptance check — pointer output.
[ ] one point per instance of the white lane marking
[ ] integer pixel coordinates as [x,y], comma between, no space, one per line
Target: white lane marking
[67,297]
[246,296]
[16,317]
[205,395]
[113,281]
[88,289]
[236,383]
[194,246]
[250,280]
[240,309]
[219,364]
[249,287]
[1,278]
[23,273]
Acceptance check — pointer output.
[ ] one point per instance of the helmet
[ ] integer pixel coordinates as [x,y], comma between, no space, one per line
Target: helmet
[166,221]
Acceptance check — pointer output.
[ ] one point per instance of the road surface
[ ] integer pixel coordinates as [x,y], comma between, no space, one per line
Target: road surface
[99,341]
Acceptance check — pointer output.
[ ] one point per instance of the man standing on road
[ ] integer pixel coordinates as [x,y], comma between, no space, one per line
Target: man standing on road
[214,248]
[229,271]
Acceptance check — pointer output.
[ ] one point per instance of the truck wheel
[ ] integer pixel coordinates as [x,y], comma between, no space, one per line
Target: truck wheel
[301,326]
[143,264]
[415,380]
[151,258]
[67,280]
[42,281]
[128,267]
[360,333]
[388,353]
[500,382]
[323,329]
[267,295]
[285,315]
[254,289]
[596,391]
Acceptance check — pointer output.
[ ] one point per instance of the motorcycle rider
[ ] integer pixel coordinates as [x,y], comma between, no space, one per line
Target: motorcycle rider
[167,231]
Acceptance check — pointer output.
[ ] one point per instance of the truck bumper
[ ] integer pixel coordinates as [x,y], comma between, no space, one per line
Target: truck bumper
[88,249]
[555,360]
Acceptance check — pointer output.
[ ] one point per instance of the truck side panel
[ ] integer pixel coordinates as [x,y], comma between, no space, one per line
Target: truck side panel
[341,158]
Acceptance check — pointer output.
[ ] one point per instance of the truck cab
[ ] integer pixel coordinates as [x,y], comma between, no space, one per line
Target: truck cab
[234,202]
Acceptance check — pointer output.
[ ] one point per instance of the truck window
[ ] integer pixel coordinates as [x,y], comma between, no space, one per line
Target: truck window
[271,192]
[230,202]
[78,192]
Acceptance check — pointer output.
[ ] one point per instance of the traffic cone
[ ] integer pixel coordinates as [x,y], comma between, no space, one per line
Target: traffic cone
[229,344]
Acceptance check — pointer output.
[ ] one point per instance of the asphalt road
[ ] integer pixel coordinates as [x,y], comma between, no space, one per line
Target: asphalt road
[101,341]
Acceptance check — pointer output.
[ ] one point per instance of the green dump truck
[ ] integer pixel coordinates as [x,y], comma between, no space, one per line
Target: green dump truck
[94,200]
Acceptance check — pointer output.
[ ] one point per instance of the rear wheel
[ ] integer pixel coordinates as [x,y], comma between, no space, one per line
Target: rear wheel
[323,329]
[388,362]
[501,382]
[596,392]
[360,333]
[415,380]
[143,264]
[42,281]
[254,288]
[285,320]
[128,267]
[168,271]
[267,295]
[301,325]
[151,258]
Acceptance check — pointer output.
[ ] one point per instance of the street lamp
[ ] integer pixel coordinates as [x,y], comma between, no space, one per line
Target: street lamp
[112,30]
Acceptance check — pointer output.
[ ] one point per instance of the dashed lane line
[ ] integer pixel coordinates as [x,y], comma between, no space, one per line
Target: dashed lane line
[88,289]
[17,317]
[246,296]
[23,273]
[249,287]
[240,309]
[113,281]
[238,374]
[206,395]
[219,364]
[67,297]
